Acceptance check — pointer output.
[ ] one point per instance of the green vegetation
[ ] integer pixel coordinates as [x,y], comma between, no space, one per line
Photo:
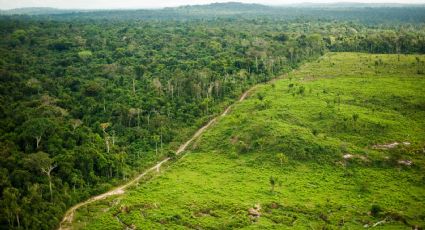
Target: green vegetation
[103,100]
[371,14]
[343,169]
[88,100]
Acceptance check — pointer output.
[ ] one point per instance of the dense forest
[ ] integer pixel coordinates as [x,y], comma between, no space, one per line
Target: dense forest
[89,99]
[371,14]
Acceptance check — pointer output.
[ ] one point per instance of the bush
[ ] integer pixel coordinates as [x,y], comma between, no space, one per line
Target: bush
[242,147]
[301,90]
[364,187]
[233,155]
[171,154]
[264,104]
[375,210]
[260,96]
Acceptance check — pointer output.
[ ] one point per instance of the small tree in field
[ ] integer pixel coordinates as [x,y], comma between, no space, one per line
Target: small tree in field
[301,90]
[260,96]
[355,118]
[273,182]
[282,158]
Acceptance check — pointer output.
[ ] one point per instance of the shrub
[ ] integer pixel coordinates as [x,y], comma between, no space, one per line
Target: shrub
[282,158]
[375,210]
[273,182]
[264,104]
[355,117]
[260,96]
[301,90]
[233,155]
[364,187]
[242,147]
[171,154]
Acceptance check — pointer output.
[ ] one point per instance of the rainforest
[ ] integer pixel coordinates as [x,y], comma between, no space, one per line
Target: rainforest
[220,116]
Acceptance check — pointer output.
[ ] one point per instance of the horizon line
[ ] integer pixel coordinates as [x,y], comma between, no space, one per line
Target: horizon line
[206,4]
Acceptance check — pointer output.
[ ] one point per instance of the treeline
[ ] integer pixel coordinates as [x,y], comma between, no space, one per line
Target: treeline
[371,14]
[408,40]
[86,104]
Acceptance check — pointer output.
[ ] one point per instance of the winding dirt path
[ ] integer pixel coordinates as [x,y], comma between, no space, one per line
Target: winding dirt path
[66,222]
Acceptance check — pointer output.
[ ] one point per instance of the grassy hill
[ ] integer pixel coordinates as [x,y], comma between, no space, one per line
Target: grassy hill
[338,143]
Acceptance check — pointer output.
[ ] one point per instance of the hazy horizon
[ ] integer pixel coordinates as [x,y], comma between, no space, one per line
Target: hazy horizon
[151,4]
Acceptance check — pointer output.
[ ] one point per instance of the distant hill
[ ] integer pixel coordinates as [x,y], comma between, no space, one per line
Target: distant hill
[361,12]
[222,8]
[228,6]
[352,5]
[39,11]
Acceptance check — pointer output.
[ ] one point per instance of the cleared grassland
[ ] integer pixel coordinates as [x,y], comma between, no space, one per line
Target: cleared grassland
[343,138]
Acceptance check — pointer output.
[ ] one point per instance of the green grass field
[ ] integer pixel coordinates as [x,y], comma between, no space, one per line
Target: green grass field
[321,133]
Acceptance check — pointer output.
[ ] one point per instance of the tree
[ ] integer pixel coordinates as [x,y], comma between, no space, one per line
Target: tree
[171,154]
[85,55]
[76,123]
[156,139]
[134,86]
[34,85]
[273,182]
[48,170]
[157,85]
[301,90]
[355,117]
[20,35]
[11,206]
[132,112]
[205,105]
[282,158]
[282,37]
[37,128]
[93,89]
[104,126]
[260,96]
[45,164]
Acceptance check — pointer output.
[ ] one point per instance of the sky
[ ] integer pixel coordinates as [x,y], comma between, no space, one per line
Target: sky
[126,4]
